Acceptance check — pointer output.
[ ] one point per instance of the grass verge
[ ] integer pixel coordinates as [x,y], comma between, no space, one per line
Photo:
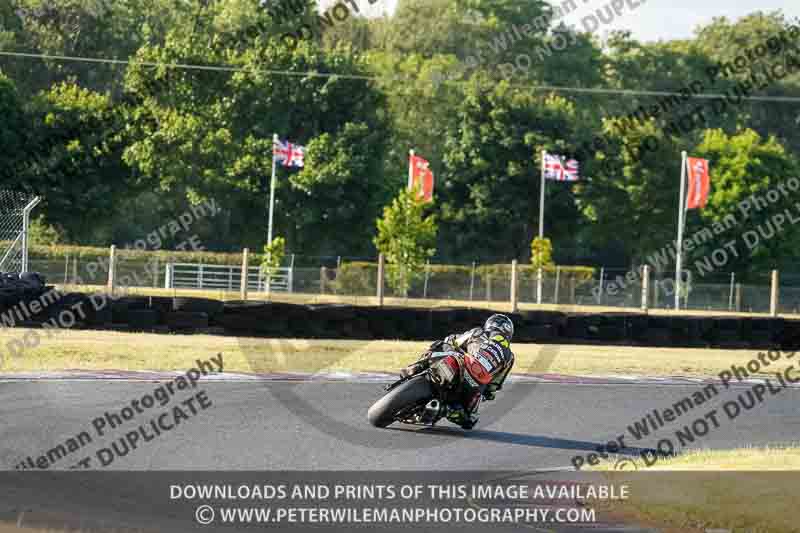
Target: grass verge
[747,489]
[110,350]
[314,298]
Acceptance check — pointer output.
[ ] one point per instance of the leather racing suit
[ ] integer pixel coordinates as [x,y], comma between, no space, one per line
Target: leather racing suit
[488,359]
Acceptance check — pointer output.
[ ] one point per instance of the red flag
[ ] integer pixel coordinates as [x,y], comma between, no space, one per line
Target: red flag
[420,175]
[698,182]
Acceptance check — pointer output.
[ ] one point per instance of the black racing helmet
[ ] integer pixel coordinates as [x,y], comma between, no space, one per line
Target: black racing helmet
[502,324]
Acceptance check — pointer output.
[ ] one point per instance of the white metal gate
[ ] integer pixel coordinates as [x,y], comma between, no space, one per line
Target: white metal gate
[224,277]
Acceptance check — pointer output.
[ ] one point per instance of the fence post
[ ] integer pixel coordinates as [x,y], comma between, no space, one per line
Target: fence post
[112,265]
[156,269]
[572,298]
[291,275]
[267,281]
[381,274]
[66,268]
[558,279]
[488,287]
[602,279]
[514,306]
[427,275]
[539,282]
[245,272]
[200,277]
[323,276]
[645,287]
[75,270]
[738,297]
[730,296]
[472,282]
[773,299]
[656,289]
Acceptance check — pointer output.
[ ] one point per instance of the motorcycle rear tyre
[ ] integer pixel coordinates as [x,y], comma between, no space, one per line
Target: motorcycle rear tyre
[418,390]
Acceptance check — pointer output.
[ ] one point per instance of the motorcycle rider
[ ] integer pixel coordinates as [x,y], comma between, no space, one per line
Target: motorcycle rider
[488,360]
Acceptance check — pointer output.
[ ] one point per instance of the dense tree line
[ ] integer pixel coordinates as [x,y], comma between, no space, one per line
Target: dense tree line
[115,148]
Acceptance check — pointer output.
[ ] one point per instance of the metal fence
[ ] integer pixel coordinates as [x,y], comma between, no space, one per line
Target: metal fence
[15,210]
[225,277]
[438,284]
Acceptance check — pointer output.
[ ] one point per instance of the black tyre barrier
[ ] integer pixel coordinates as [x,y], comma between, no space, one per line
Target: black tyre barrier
[142,319]
[135,303]
[184,320]
[162,304]
[336,321]
[198,305]
[243,306]
[119,311]
[100,316]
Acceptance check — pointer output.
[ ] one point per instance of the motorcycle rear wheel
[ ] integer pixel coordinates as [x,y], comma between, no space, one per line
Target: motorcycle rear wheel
[414,392]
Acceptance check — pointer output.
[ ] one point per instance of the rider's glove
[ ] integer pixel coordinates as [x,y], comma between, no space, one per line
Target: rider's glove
[436,346]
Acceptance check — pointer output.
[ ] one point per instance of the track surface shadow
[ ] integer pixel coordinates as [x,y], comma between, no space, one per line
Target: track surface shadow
[521,439]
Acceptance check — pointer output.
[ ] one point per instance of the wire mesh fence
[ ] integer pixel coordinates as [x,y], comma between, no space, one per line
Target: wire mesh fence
[15,208]
[433,284]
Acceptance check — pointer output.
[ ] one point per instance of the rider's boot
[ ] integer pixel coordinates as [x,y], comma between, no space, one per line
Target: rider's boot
[466,417]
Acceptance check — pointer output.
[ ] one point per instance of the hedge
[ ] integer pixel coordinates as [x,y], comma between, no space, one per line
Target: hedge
[361,276]
[91,253]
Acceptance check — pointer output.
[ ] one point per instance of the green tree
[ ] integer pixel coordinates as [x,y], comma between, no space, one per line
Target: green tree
[74,142]
[743,166]
[428,28]
[12,129]
[42,233]
[541,252]
[274,252]
[406,237]
[192,139]
[629,194]
[491,178]
[723,40]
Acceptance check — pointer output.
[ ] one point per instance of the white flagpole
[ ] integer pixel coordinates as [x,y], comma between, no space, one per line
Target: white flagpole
[271,208]
[679,244]
[410,170]
[541,229]
[272,190]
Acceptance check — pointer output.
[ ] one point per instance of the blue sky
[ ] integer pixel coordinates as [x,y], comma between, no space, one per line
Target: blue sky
[677,19]
[654,19]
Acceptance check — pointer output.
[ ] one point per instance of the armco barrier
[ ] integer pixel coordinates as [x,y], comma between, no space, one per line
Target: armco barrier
[335,321]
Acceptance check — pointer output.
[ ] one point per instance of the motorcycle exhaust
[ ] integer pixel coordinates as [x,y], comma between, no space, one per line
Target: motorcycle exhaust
[432,410]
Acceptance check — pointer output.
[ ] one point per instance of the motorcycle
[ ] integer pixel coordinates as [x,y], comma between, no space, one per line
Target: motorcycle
[430,393]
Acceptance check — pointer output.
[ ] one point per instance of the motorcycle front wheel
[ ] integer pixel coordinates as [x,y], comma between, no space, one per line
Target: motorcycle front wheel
[412,394]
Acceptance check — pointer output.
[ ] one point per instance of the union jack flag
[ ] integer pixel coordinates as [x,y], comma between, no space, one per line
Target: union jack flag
[556,169]
[288,154]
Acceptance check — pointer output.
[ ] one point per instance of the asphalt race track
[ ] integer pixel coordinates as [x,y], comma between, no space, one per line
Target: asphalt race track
[322,426]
